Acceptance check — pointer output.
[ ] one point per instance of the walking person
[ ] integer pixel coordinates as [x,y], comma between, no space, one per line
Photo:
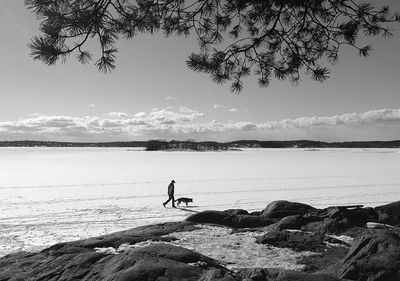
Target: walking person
[171,190]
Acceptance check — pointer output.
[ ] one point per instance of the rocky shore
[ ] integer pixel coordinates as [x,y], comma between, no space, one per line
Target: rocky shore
[335,243]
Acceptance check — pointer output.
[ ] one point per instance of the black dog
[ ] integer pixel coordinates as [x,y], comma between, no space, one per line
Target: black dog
[184,199]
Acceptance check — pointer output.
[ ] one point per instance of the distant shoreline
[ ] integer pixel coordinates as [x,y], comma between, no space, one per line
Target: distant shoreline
[154,145]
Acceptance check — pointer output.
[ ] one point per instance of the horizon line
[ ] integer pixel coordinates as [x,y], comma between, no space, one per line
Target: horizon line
[194,141]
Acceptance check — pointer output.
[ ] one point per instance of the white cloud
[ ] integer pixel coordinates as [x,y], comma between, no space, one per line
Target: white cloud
[219,106]
[184,115]
[118,114]
[170,98]
[91,105]
[186,110]
[135,122]
[140,114]
[370,117]
[164,123]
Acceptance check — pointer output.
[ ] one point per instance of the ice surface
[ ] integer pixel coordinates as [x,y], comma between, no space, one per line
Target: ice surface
[49,195]
[233,250]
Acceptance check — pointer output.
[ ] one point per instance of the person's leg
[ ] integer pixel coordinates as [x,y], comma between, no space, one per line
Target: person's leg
[173,201]
[166,202]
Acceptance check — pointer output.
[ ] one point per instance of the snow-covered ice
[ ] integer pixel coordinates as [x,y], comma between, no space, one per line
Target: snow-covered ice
[233,250]
[49,195]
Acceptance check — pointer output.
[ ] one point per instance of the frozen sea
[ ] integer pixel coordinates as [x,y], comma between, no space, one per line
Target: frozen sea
[50,195]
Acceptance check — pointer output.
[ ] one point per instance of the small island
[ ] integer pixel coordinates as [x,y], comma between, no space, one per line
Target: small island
[154,145]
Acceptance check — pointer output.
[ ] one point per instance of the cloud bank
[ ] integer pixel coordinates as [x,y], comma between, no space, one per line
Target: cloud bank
[185,123]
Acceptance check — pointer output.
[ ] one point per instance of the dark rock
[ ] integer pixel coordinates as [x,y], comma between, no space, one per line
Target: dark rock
[291,222]
[46,267]
[315,226]
[215,217]
[259,274]
[77,260]
[361,216]
[216,275]
[339,219]
[281,209]
[375,256]
[332,240]
[155,232]
[354,232]
[154,262]
[291,215]
[323,259]
[287,275]
[253,274]
[229,218]
[336,225]
[296,240]
[330,212]
[247,221]
[235,212]
[389,214]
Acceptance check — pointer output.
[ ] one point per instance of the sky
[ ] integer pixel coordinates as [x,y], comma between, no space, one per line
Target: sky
[153,95]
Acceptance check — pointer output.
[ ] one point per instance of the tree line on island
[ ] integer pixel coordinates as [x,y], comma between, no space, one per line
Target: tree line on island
[155,145]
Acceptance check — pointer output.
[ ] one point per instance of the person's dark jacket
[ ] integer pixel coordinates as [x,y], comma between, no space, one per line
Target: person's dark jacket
[171,189]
